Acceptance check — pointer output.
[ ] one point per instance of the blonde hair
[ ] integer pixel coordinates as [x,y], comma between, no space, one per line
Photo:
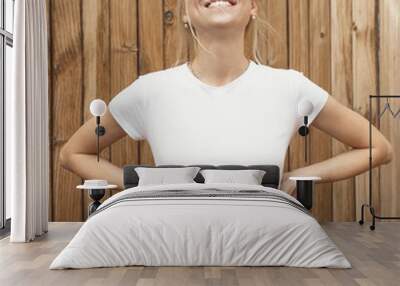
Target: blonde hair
[256,35]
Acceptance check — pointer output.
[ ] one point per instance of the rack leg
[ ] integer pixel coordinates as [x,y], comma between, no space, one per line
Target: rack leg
[361,221]
[372,210]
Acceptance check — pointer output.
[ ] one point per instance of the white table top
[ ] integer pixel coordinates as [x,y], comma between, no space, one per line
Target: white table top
[310,178]
[86,187]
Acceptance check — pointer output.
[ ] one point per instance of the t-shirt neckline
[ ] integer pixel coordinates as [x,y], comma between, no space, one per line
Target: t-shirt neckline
[221,88]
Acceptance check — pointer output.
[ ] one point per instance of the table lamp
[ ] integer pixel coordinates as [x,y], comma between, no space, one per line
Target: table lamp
[304,109]
[98,108]
[304,185]
[96,187]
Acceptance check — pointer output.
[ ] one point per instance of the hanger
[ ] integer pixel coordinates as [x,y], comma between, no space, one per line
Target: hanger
[388,107]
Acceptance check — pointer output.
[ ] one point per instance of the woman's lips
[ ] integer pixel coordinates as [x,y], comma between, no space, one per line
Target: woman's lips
[220,3]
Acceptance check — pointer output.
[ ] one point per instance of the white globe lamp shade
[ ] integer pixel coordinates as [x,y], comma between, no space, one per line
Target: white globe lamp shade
[98,107]
[305,108]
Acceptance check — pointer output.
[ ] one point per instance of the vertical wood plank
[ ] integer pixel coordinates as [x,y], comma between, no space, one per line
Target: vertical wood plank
[390,85]
[96,64]
[298,60]
[343,197]
[170,32]
[124,62]
[277,52]
[364,82]
[277,48]
[320,73]
[273,45]
[151,56]
[66,102]
[264,45]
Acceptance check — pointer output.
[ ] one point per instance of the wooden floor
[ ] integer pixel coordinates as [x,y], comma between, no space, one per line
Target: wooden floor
[375,257]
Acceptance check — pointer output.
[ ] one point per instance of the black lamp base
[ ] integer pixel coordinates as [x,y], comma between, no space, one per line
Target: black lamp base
[100,130]
[96,195]
[303,130]
[305,192]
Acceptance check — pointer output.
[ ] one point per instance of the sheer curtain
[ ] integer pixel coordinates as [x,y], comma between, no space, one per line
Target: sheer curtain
[27,135]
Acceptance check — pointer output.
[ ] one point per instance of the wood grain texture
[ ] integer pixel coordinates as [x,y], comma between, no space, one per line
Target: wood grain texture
[277,48]
[124,63]
[151,57]
[298,60]
[96,63]
[66,102]
[277,51]
[343,192]
[365,82]
[99,47]
[374,257]
[170,32]
[320,73]
[390,85]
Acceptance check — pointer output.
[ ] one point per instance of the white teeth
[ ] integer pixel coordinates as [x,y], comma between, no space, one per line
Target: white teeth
[219,4]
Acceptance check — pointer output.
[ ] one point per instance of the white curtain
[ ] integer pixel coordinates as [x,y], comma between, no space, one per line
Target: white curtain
[27,134]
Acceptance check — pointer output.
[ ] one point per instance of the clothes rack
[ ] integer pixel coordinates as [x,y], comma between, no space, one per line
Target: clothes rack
[380,114]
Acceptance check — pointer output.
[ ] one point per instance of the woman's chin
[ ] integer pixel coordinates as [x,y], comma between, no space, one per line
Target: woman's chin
[221,21]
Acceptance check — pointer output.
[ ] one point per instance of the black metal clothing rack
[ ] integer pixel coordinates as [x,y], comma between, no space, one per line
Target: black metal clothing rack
[369,205]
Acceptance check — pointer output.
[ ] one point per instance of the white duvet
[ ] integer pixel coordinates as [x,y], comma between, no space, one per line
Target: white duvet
[200,231]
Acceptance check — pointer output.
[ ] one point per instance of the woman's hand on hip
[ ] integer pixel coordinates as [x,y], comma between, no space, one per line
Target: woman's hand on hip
[79,153]
[288,186]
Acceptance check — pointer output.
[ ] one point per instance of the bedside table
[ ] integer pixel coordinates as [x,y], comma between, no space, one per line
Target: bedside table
[304,188]
[96,194]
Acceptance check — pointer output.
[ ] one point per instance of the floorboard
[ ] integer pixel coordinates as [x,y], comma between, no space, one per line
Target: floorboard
[375,257]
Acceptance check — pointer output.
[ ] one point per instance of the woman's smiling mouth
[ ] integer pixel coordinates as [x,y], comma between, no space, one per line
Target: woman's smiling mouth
[220,3]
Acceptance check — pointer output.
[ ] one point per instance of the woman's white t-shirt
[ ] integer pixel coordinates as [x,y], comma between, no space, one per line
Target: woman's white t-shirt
[249,120]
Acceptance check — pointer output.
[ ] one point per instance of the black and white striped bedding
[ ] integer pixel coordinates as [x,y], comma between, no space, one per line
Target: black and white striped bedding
[201,224]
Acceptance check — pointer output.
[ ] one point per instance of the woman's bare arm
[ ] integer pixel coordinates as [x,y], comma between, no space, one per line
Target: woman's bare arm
[79,153]
[352,129]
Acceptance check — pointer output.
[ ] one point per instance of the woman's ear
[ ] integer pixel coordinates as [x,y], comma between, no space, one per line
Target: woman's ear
[253,7]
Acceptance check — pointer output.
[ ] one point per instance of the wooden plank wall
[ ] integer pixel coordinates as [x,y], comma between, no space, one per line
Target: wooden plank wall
[349,47]
[389,83]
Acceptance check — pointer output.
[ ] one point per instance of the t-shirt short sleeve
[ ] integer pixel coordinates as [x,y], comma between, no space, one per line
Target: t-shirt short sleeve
[128,109]
[308,90]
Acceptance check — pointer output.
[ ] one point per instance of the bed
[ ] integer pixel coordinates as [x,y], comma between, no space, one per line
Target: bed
[198,224]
